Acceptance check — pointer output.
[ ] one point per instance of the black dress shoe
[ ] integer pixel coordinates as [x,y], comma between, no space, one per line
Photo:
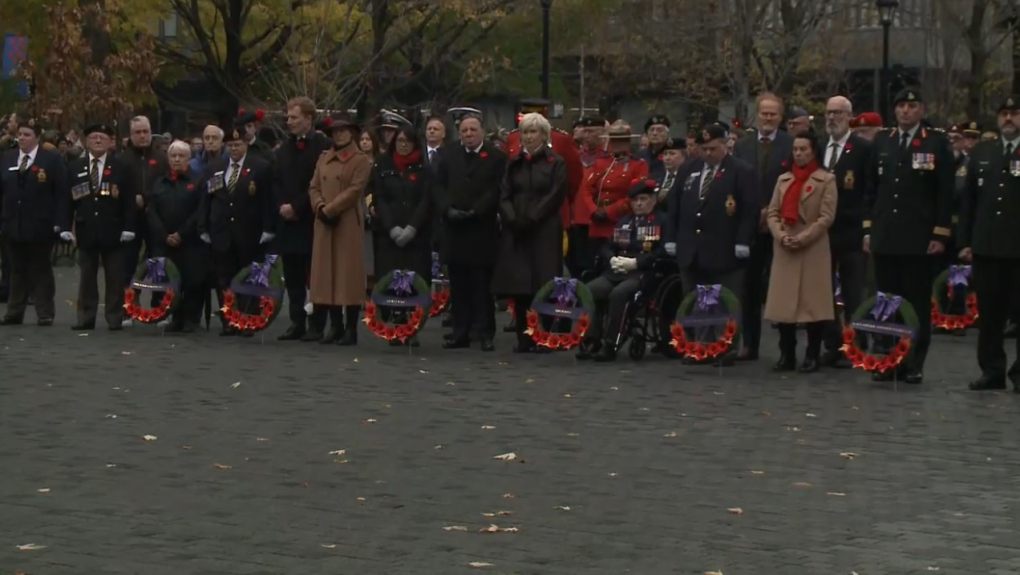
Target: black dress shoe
[293,333]
[456,344]
[913,376]
[808,366]
[332,336]
[510,327]
[985,383]
[312,335]
[486,344]
[84,326]
[785,363]
[880,377]
[189,327]
[605,354]
[116,327]
[833,358]
[588,349]
[45,322]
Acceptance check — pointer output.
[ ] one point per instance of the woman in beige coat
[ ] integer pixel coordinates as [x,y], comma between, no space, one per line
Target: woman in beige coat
[337,286]
[800,283]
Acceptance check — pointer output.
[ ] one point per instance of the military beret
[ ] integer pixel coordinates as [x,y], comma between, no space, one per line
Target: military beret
[244,118]
[591,122]
[709,133]
[31,124]
[908,95]
[658,119]
[1011,104]
[675,144]
[798,112]
[971,129]
[100,128]
[639,187]
[867,120]
[233,135]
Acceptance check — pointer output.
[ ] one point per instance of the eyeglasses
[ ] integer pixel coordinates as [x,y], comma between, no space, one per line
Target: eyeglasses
[835,112]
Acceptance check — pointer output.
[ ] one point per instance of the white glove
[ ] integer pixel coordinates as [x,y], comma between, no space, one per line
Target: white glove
[67,236]
[614,262]
[266,238]
[406,236]
[205,238]
[742,252]
[628,264]
[395,232]
[127,236]
[671,248]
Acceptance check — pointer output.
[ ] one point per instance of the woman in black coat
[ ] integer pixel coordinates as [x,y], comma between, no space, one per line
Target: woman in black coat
[174,217]
[399,187]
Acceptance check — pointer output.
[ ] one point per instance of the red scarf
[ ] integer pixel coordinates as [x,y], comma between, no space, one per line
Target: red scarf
[402,162]
[791,199]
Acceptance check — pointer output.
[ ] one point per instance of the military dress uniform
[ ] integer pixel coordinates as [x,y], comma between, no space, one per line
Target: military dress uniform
[913,171]
[989,218]
[105,215]
[636,243]
[239,217]
[34,210]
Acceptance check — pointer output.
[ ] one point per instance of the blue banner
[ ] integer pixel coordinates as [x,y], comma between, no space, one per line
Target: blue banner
[15,51]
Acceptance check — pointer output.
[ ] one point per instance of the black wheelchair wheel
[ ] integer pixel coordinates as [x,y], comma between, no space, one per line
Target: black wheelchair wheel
[667,298]
[637,349]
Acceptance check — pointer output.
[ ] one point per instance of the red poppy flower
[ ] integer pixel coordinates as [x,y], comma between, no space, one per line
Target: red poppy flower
[370,309]
[106,173]
[870,363]
[300,144]
[344,155]
[676,331]
[550,159]
[731,329]
[401,331]
[848,147]
[532,319]
[390,333]
[784,164]
[34,168]
[718,175]
[129,296]
[916,143]
[848,335]
[412,177]
[245,172]
[809,189]
[152,162]
[554,341]
[191,187]
[650,183]
[903,346]
[483,155]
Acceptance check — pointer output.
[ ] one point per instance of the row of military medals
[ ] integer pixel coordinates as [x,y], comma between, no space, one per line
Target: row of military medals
[647,236]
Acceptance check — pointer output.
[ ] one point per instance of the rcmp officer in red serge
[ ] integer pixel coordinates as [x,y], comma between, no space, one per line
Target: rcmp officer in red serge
[249,123]
[911,216]
[990,238]
[103,200]
[604,191]
[713,216]
[34,210]
[240,217]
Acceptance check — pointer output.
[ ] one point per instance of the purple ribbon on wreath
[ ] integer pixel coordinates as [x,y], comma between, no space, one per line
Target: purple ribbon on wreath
[564,291]
[259,274]
[435,265]
[885,306]
[403,283]
[959,275]
[708,296]
[839,290]
[155,270]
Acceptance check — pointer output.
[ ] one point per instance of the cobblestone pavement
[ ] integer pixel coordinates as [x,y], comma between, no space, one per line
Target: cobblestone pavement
[304,459]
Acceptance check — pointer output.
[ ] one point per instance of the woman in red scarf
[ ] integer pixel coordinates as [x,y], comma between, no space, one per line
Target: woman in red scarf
[399,188]
[800,284]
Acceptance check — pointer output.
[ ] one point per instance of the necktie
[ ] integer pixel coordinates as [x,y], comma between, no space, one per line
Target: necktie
[235,171]
[432,157]
[765,140]
[706,183]
[24,163]
[94,174]
[1009,149]
[834,157]
[904,143]
[668,182]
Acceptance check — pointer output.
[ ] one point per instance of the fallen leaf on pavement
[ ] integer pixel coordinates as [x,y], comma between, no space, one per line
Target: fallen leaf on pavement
[735,511]
[149,437]
[713,573]
[127,353]
[614,388]
[438,447]
[480,564]
[360,500]
[835,493]
[508,496]
[43,490]
[236,384]
[83,335]
[355,360]
[756,472]
[498,514]
[261,439]
[329,545]
[30,547]
[506,456]
[222,466]
[766,414]
[488,427]
[933,568]
[670,434]
[111,416]
[811,415]
[423,371]
[848,455]
[562,508]
[802,484]
[529,380]
[455,528]
[567,395]
[497,529]
[186,447]
[370,421]
[611,474]
[338,452]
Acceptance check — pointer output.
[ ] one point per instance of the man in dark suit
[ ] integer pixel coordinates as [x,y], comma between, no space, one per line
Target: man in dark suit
[769,153]
[467,194]
[104,220]
[240,217]
[673,157]
[295,166]
[34,209]
[435,135]
[990,238]
[848,157]
[713,216]
[144,163]
[911,217]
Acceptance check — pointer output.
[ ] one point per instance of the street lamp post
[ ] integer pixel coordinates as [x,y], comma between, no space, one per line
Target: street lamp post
[886,11]
[546,6]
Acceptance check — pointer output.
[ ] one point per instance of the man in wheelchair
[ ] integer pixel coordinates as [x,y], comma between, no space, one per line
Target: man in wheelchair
[634,247]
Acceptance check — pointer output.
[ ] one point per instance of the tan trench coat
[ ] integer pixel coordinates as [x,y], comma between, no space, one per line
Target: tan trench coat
[338,265]
[800,284]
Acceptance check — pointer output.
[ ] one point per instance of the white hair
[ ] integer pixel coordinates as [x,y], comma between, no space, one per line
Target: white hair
[537,121]
[179,146]
[141,120]
[218,130]
[843,102]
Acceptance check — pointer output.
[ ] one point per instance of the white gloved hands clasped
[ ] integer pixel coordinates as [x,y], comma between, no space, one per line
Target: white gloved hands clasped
[395,232]
[127,237]
[67,236]
[622,265]
[406,235]
[670,248]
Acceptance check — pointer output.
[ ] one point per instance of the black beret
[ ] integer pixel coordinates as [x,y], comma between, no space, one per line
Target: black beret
[908,95]
[709,133]
[798,112]
[675,144]
[971,128]
[101,128]
[591,122]
[31,124]
[1011,104]
[233,135]
[244,118]
[657,119]
[647,186]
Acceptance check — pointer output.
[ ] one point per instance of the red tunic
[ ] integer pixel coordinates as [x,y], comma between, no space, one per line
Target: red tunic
[564,146]
[606,187]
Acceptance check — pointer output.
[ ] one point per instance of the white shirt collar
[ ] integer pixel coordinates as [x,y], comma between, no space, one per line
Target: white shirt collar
[102,159]
[31,155]
[840,142]
[476,150]
[432,148]
[240,163]
[911,131]
[1015,141]
[770,137]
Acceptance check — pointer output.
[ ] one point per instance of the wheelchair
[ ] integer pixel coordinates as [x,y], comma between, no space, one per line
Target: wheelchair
[649,315]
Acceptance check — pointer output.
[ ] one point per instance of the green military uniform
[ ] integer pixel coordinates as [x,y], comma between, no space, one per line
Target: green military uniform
[989,227]
[913,169]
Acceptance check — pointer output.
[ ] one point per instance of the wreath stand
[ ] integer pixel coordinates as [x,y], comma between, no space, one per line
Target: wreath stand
[155,275]
[561,299]
[261,282]
[878,315]
[707,310]
[944,289]
[399,292]
[440,289]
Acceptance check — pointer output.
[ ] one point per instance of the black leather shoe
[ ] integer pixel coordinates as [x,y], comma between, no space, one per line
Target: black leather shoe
[293,333]
[833,358]
[312,335]
[808,366]
[84,326]
[889,375]
[189,327]
[984,383]
[785,363]
[456,343]
[606,354]
[510,327]
[44,322]
[588,349]
[525,347]
[913,376]
[332,336]
[487,345]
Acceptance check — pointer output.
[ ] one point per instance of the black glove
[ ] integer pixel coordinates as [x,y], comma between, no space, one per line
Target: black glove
[600,215]
[326,219]
[455,215]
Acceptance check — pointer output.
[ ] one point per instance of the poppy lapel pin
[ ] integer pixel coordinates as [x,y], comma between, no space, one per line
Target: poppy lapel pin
[412,177]
[784,164]
[916,143]
[152,162]
[848,147]
[106,173]
[34,168]
[483,155]
[191,187]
